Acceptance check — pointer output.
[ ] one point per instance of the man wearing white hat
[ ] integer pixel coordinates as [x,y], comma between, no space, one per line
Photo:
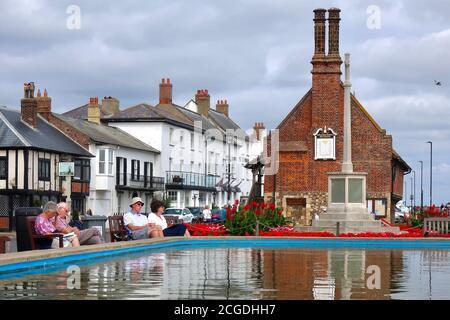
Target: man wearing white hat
[136,222]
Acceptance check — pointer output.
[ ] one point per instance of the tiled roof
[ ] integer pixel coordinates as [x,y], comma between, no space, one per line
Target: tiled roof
[16,133]
[105,134]
[81,113]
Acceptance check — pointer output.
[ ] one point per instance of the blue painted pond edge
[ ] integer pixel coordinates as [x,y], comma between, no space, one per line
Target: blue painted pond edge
[7,270]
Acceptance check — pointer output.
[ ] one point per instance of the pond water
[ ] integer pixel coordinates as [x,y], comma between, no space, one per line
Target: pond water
[246,273]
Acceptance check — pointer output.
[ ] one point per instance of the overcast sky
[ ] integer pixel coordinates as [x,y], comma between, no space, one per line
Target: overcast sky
[254,53]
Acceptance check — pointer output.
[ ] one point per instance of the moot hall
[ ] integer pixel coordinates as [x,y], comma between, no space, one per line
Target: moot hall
[311,140]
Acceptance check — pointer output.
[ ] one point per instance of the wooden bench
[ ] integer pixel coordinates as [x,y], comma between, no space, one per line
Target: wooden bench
[34,237]
[3,240]
[439,225]
[118,232]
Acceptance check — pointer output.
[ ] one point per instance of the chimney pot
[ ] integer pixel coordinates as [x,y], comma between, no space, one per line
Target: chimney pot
[333,31]
[39,93]
[45,93]
[319,32]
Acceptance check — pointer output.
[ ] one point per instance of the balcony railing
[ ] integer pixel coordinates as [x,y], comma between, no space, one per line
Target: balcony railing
[141,182]
[185,179]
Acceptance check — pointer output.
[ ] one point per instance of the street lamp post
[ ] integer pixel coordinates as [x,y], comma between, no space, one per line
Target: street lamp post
[411,196]
[414,193]
[406,193]
[421,185]
[229,140]
[431,172]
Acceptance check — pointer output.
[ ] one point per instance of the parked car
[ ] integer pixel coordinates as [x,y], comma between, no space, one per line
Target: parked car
[197,212]
[218,215]
[181,213]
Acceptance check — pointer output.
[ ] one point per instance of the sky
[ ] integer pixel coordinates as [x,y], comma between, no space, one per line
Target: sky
[254,53]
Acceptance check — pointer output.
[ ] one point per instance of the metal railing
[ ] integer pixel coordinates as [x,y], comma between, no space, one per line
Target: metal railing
[190,179]
[439,225]
[143,182]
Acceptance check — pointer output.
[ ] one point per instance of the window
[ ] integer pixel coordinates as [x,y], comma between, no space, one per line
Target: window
[44,169]
[135,164]
[170,164]
[82,170]
[173,196]
[181,165]
[182,139]
[3,167]
[110,161]
[192,166]
[105,161]
[199,167]
[192,141]
[171,136]
[200,142]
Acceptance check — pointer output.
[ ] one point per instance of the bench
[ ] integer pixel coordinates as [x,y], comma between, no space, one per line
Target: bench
[118,232]
[34,237]
[3,240]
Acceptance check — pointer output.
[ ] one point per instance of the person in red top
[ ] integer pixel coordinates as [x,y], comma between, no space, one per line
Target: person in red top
[43,225]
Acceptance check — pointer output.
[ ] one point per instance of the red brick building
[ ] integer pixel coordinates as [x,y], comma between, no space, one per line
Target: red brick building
[300,184]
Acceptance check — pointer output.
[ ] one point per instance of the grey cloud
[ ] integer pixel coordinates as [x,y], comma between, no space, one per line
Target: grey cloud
[255,53]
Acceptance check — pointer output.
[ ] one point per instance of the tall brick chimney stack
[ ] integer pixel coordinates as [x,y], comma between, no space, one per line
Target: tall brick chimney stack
[257,127]
[327,91]
[202,99]
[165,91]
[333,38]
[319,33]
[44,105]
[93,110]
[28,105]
[222,107]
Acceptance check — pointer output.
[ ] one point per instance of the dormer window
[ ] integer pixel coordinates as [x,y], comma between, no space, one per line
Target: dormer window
[325,144]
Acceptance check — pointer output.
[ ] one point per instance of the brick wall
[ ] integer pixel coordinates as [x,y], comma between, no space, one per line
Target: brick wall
[371,148]
[70,131]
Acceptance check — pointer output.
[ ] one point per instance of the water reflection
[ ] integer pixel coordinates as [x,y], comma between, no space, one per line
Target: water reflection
[244,273]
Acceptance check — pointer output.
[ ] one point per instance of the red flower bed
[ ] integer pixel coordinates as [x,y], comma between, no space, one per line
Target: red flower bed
[203,229]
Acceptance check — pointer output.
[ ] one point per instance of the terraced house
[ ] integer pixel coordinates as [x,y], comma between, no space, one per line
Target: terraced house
[200,165]
[123,165]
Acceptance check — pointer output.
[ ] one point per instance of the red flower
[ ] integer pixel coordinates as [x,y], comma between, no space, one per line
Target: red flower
[236,202]
[272,206]
[247,207]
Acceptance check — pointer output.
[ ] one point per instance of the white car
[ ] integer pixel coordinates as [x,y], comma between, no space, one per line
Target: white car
[181,213]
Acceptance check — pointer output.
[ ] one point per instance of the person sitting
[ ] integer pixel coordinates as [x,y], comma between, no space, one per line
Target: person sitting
[86,237]
[44,226]
[207,214]
[157,221]
[137,223]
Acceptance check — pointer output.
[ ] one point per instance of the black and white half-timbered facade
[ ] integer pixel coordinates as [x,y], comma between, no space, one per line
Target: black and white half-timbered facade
[31,150]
